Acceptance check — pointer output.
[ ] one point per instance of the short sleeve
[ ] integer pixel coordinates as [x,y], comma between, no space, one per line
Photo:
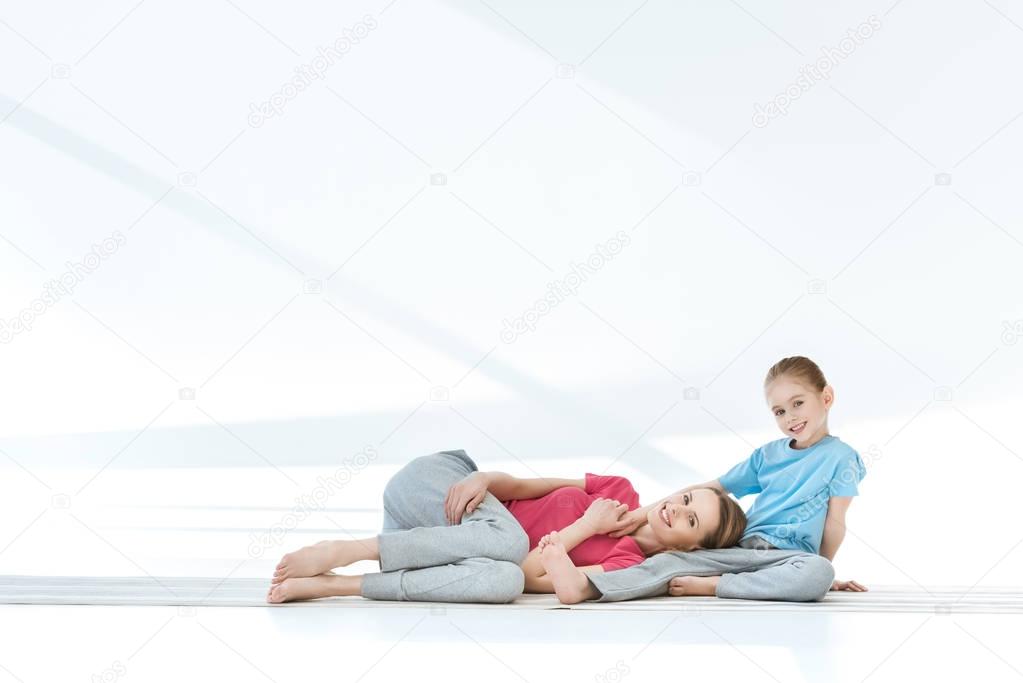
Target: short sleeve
[625,554]
[615,488]
[849,471]
[744,479]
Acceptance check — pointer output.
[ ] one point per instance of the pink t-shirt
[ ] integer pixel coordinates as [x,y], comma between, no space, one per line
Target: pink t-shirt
[561,507]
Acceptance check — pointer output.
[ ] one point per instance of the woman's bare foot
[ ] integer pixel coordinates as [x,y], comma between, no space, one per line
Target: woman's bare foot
[570,585]
[693,585]
[312,587]
[318,558]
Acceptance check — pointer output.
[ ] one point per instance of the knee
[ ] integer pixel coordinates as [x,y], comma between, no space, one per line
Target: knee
[506,582]
[407,478]
[816,576]
[511,544]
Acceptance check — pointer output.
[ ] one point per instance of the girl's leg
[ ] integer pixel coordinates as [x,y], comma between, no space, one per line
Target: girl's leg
[749,574]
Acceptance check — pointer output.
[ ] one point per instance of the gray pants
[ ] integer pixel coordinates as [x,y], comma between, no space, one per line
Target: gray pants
[424,558]
[754,571]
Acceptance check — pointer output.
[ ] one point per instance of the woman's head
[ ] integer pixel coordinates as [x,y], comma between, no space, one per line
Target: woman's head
[799,397]
[698,518]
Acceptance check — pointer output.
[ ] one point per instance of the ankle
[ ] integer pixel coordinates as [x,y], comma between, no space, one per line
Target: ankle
[342,585]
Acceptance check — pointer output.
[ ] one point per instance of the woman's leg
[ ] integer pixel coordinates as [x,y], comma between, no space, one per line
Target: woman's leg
[477,579]
[426,559]
[460,562]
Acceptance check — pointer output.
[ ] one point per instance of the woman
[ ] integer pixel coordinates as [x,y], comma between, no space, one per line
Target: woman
[447,536]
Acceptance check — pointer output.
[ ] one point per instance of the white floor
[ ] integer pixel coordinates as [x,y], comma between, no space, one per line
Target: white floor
[172,644]
[138,518]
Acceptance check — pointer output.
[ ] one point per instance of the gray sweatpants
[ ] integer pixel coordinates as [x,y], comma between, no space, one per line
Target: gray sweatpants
[755,571]
[424,558]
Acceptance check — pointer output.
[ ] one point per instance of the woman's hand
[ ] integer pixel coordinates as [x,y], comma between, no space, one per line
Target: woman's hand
[603,515]
[629,522]
[847,586]
[465,496]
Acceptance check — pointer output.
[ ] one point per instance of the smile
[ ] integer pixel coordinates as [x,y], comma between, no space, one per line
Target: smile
[665,516]
[798,428]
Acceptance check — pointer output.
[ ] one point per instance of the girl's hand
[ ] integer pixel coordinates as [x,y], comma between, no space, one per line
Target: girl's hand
[847,586]
[629,522]
[465,496]
[603,515]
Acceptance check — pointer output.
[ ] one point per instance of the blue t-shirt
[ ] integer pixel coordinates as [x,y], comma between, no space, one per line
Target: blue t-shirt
[794,487]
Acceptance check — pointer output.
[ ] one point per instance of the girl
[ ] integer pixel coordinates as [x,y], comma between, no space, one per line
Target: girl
[805,483]
[448,538]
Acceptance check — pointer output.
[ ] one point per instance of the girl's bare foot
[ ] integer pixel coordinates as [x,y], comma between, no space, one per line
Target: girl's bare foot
[693,585]
[570,585]
[318,558]
[312,587]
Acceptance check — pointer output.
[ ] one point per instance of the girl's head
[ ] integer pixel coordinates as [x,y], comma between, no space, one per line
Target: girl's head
[799,398]
[698,518]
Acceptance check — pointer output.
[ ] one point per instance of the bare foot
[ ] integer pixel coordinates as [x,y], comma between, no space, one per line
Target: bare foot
[318,558]
[570,585]
[312,587]
[693,585]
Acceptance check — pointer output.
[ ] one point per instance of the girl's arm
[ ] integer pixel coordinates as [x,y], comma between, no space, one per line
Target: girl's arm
[834,525]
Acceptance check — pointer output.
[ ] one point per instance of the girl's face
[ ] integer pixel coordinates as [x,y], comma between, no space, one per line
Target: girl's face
[801,412]
[685,518]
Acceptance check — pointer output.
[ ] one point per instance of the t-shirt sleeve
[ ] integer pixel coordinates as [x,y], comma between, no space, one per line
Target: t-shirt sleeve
[743,479]
[849,471]
[615,488]
[623,555]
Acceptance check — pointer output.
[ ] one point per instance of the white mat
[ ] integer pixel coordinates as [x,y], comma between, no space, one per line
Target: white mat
[248,592]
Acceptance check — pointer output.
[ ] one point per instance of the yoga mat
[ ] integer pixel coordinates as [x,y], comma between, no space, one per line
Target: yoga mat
[251,592]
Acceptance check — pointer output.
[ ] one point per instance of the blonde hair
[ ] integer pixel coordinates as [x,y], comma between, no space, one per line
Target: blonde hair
[799,368]
[732,526]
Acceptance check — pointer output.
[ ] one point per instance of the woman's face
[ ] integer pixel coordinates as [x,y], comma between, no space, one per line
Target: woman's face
[795,405]
[685,518]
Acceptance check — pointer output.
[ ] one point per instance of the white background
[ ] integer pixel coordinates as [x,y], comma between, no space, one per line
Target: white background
[555,127]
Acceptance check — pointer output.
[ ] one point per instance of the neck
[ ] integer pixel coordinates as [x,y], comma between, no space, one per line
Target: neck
[647,542]
[816,438]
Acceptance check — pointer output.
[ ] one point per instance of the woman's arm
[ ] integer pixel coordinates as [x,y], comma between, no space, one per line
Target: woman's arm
[543,584]
[506,487]
[466,495]
[636,517]
[572,535]
[601,515]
